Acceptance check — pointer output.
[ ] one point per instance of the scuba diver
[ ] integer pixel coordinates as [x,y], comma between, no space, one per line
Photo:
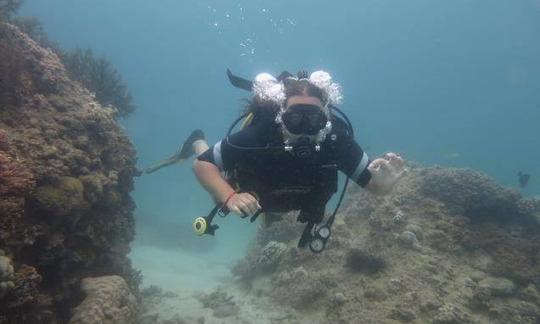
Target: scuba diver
[287,155]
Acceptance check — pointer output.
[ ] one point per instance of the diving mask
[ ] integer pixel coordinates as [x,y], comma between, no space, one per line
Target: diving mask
[304,119]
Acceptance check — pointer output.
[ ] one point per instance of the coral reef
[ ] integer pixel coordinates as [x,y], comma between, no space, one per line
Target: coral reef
[108,301]
[472,194]
[446,246]
[66,171]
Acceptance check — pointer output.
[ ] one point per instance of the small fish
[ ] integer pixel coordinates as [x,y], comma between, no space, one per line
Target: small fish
[452,156]
[523,179]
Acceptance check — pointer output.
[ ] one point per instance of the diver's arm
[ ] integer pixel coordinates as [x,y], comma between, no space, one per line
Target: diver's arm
[210,178]
[378,176]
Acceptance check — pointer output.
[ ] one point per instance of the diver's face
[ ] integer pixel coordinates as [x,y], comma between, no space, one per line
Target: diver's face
[303,100]
[304,115]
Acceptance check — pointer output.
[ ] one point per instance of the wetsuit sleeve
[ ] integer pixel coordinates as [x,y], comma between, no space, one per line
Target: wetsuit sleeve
[227,152]
[213,155]
[353,161]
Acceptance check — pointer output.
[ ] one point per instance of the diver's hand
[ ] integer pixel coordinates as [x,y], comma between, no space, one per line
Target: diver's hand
[385,172]
[243,204]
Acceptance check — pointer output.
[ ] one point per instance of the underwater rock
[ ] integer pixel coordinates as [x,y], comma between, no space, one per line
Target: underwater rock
[221,303]
[375,293]
[395,285]
[359,260]
[408,238]
[438,239]
[402,314]
[531,293]
[472,194]
[477,276]
[271,254]
[498,286]
[6,275]
[62,198]
[108,301]
[226,310]
[417,230]
[339,299]
[266,261]
[399,217]
[450,314]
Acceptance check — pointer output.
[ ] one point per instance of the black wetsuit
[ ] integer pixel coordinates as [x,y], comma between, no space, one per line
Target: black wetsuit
[255,160]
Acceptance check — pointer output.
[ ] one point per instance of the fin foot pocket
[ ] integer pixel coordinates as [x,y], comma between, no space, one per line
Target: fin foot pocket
[186,150]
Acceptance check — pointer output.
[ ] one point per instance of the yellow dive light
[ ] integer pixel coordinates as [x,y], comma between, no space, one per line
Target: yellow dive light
[200,226]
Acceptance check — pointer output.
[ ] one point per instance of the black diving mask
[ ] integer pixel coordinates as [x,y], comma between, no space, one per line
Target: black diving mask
[304,119]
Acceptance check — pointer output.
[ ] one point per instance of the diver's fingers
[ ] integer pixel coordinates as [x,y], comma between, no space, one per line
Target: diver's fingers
[236,210]
[249,202]
[391,155]
[376,164]
[242,208]
[397,162]
[386,167]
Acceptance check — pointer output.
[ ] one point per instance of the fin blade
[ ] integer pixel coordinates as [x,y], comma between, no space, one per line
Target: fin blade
[239,82]
[284,75]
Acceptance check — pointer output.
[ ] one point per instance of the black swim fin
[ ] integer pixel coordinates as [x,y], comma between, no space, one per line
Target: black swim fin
[245,84]
[239,82]
[186,150]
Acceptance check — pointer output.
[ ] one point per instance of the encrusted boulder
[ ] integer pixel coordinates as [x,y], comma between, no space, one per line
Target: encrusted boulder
[63,197]
[6,275]
[108,301]
[221,303]
[498,286]
[450,314]
[271,254]
[471,193]
[265,261]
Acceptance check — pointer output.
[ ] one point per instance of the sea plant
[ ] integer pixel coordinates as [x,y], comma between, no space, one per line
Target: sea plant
[8,8]
[99,76]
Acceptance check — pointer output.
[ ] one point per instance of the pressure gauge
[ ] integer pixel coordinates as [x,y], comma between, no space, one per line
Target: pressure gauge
[316,245]
[324,232]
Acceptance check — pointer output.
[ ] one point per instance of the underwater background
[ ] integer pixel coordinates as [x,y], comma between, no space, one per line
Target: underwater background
[452,83]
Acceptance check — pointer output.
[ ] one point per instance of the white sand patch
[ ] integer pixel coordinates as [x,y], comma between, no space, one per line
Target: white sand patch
[178,271]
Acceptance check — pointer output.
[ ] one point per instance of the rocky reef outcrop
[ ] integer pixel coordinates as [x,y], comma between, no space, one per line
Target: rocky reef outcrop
[66,171]
[108,300]
[447,246]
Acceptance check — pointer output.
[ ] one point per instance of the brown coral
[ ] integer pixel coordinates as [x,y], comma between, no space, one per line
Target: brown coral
[66,170]
[108,301]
